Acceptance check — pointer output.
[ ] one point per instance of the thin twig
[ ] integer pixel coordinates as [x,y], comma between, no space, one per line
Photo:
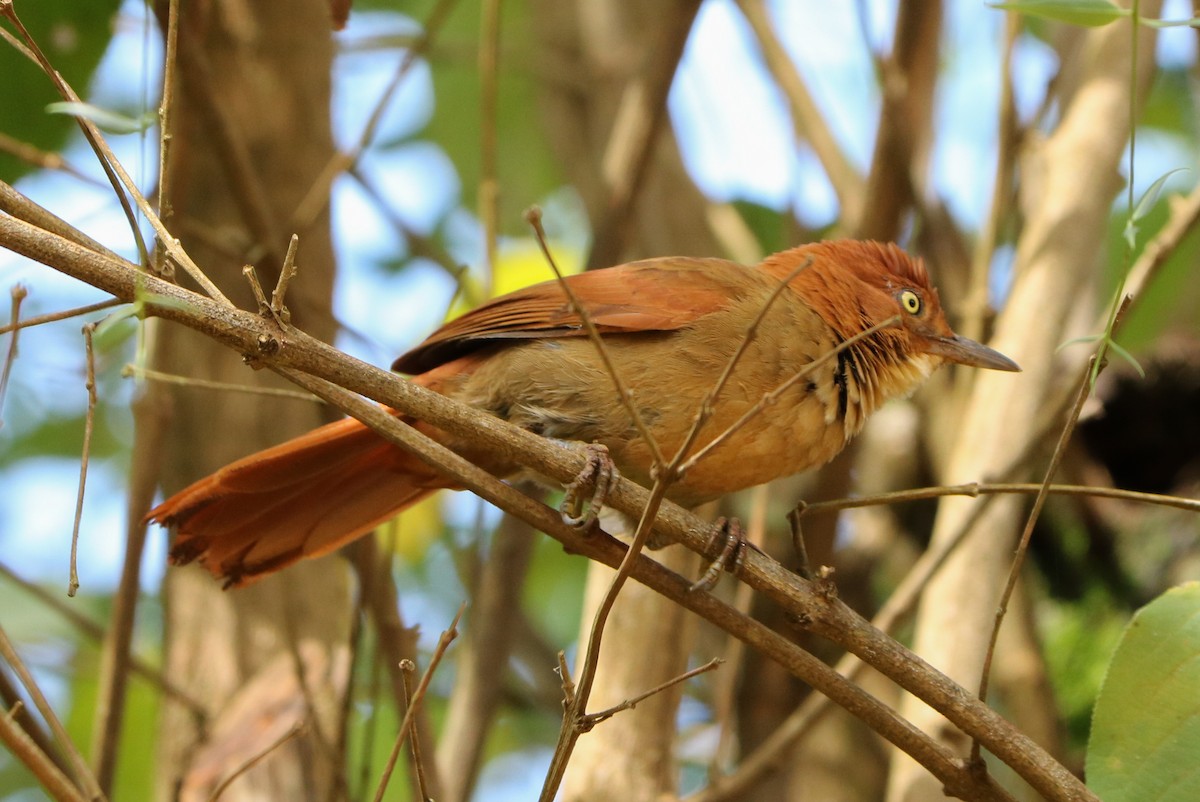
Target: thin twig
[44,160]
[83,778]
[89,421]
[533,216]
[976,489]
[708,404]
[1085,388]
[104,154]
[773,396]
[443,644]
[54,317]
[52,780]
[489,89]
[293,731]
[95,631]
[406,670]
[592,719]
[317,196]
[18,294]
[286,274]
[165,105]
[208,384]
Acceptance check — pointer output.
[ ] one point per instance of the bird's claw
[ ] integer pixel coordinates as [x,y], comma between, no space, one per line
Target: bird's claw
[732,556]
[599,474]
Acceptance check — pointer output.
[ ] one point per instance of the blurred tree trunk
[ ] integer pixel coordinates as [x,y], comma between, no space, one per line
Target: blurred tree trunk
[1069,181]
[252,76]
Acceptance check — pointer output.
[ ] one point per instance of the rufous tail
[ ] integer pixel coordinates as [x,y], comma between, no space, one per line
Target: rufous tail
[302,498]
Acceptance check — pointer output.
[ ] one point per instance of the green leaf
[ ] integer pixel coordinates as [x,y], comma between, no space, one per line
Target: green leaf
[1088,13]
[1146,729]
[105,119]
[74,36]
[1144,205]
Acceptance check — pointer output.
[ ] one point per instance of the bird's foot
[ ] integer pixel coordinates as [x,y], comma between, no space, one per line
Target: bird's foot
[599,475]
[731,535]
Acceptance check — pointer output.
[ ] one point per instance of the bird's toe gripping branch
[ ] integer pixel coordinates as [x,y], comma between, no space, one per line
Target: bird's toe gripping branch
[599,475]
[727,532]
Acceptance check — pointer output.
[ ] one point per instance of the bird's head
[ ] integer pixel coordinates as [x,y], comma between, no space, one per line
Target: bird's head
[855,285]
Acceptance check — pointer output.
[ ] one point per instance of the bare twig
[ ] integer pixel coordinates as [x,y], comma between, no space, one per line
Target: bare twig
[1085,388]
[89,421]
[772,396]
[18,294]
[406,669]
[592,719]
[95,631]
[533,216]
[317,196]
[293,731]
[708,404]
[975,489]
[54,317]
[43,160]
[83,778]
[443,644]
[489,88]
[286,274]
[108,161]
[49,776]
[207,384]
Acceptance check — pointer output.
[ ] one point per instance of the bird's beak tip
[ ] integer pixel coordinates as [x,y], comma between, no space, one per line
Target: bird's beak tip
[968,352]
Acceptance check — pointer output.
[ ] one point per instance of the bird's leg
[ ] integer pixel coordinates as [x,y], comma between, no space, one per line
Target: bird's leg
[733,552]
[599,474]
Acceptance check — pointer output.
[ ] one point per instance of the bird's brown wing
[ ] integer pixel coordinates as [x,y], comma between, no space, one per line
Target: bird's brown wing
[651,295]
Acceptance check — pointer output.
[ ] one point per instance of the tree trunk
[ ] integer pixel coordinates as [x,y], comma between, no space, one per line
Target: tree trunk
[250,77]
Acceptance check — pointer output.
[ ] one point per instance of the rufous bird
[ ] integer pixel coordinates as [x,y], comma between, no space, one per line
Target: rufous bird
[671,326]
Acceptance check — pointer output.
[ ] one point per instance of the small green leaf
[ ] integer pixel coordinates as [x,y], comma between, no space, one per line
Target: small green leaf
[1088,13]
[1146,727]
[105,119]
[1150,196]
[1128,357]
[1089,338]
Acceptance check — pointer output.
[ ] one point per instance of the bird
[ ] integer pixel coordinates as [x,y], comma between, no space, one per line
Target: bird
[671,326]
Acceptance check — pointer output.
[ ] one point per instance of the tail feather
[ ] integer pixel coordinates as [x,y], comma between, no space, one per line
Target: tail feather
[303,498]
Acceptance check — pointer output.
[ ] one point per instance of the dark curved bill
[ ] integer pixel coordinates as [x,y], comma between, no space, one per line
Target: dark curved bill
[968,352]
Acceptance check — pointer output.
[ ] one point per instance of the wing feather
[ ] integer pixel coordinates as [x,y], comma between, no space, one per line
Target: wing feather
[652,295]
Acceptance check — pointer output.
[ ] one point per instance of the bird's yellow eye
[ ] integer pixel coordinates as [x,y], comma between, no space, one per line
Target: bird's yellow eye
[910,301]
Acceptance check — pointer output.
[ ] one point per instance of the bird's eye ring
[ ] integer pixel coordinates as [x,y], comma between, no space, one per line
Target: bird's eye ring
[910,301]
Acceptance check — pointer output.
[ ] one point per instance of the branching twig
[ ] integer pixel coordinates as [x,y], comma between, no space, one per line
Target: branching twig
[443,644]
